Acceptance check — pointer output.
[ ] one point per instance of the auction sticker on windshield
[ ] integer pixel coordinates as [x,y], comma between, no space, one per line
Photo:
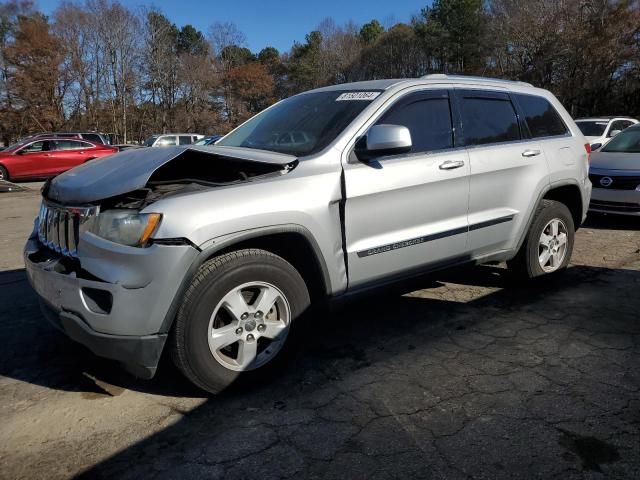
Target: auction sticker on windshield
[357,96]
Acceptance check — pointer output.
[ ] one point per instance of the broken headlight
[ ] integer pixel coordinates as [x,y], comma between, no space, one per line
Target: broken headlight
[126,227]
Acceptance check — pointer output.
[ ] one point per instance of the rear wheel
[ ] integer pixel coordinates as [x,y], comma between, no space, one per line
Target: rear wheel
[236,317]
[549,242]
[4,175]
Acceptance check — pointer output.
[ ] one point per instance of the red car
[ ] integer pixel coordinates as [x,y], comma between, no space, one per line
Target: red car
[48,157]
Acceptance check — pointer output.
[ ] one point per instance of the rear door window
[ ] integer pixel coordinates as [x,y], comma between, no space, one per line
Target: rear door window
[185,139]
[427,115]
[488,117]
[542,119]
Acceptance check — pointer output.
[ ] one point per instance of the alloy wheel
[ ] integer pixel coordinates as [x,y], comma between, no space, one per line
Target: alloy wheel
[249,326]
[552,246]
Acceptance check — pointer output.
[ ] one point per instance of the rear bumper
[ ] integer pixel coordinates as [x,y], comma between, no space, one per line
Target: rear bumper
[619,202]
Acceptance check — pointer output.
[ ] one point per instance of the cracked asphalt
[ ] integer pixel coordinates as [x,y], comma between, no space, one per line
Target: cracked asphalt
[461,375]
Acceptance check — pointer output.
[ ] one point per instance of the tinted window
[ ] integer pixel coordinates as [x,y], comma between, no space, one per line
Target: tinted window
[541,117]
[592,128]
[488,120]
[94,137]
[185,140]
[317,118]
[427,118]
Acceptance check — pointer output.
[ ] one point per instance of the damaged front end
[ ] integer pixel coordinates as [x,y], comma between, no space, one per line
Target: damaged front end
[164,170]
[92,259]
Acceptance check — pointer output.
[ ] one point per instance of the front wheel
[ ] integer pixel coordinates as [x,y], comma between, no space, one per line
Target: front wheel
[4,175]
[236,317]
[549,242]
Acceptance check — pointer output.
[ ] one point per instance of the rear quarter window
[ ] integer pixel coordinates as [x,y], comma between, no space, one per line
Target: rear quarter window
[542,119]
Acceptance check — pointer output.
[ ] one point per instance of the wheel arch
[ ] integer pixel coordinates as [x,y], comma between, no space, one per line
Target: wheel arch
[294,243]
[6,169]
[568,194]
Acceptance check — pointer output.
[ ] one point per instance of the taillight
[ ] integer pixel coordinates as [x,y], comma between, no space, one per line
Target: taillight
[587,147]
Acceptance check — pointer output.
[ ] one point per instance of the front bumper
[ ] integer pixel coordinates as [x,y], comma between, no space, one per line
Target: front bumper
[113,299]
[138,354]
[620,202]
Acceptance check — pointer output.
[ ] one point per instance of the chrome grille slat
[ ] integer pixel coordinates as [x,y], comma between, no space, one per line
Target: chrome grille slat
[59,227]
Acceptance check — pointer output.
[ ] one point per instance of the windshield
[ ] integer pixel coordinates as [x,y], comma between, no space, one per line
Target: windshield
[301,125]
[627,141]
[149,141]
[592,128]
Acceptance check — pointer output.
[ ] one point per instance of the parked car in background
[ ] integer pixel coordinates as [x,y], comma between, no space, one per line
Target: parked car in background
[216,252]
[48,157]
[127,146]
[172,139]
[598,131]
[615,175]
[208,140]
[94,137]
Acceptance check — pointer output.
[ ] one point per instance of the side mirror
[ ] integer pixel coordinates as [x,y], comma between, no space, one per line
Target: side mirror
[384,140]
[613,133]
[595,146]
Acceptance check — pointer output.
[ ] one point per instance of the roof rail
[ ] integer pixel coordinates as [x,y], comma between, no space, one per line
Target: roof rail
[444,76]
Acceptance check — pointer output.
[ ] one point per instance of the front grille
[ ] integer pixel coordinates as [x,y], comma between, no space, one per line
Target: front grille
[618,182]
[59,227]
[614,206]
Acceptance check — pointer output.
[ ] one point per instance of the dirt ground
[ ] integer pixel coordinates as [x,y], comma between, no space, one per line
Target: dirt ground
[463,375]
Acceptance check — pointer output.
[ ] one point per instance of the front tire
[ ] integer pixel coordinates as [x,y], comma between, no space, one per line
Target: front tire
[549,243]
[236,316]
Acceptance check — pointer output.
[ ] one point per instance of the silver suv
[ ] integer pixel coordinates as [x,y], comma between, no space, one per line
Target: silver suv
[172,139]
[218,251]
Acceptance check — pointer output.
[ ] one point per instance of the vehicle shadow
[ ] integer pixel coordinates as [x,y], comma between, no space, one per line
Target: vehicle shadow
[602,221]
[72,367]
[339,351]
[355,347]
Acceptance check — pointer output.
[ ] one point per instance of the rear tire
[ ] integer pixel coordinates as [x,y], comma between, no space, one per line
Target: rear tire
[236,317]
[549,243]
[4,174]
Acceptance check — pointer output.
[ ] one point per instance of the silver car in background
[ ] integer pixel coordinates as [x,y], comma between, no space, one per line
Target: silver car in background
[172,139]
[615,175]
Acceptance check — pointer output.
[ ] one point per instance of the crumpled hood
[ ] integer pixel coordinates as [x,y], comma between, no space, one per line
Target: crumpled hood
[615,161]
[131,169]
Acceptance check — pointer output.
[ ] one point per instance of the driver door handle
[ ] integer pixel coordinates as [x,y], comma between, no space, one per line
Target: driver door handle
[451,164]
[531,153]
